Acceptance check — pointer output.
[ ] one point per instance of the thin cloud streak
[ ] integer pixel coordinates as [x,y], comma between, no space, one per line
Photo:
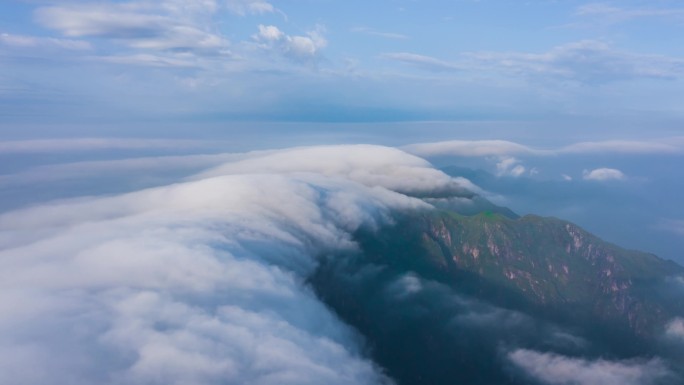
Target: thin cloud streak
[589,62]
[479,148]
[423,62]
[373,32]
[614,14]
[95,144]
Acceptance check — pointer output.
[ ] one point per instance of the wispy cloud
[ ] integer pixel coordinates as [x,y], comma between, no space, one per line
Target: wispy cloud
[553,369]
[675,329]
[97,144]
[164,26]
[613,14]
[470,148]
[587,62]
[34,42]
[626,147]
[421,61]
[478,148]
[244,7]
[373,32]
[672,225]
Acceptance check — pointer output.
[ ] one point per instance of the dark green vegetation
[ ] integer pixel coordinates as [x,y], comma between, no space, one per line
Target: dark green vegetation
[443,297]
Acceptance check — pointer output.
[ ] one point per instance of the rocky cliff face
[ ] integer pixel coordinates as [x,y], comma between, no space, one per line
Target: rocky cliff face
[545,262]
[445,298]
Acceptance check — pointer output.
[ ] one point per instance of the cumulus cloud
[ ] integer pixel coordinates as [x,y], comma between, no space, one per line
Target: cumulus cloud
[553,369]
[295,47]
[510,167]
[603,174]
[202,281]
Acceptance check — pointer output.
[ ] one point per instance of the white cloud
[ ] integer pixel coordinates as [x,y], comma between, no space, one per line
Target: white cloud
[244,7]
[510,167]
[405,286]
[302,48]
[603,174]
[566,177]
[553,369]
[675,329]
[168,25]
[201,281]
[470,148]
[33,42]
[270,33]
[106,20]
[366,164]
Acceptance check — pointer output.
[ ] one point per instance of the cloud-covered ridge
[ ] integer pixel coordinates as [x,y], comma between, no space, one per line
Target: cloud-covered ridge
[369,165]
[198,282]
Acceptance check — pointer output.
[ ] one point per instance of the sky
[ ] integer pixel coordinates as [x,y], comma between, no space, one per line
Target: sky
[581,102]
[171,170]
[158,62]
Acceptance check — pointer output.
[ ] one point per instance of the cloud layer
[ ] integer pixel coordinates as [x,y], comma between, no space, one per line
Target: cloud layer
[202,281]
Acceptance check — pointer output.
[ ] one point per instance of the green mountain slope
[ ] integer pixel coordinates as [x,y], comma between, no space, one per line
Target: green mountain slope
[545,263]
[444,298]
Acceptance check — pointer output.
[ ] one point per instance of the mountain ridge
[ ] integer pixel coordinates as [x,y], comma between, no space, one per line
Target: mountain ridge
[416,287]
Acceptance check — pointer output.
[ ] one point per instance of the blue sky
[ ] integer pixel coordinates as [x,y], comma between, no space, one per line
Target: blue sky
[588,96]
[253,60]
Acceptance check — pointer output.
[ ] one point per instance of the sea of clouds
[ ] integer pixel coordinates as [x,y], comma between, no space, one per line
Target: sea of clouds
[205,280]
[201,281]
